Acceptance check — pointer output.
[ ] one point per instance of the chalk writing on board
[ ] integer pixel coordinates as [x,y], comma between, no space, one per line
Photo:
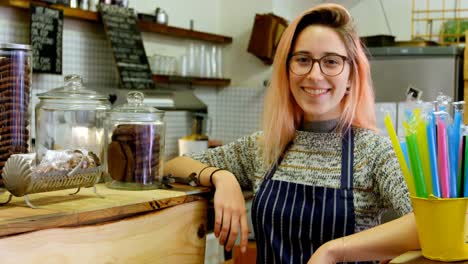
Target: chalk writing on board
[127,47]
[46,39]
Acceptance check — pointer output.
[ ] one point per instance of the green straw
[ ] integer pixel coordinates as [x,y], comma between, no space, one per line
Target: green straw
[416,167]
[421,137]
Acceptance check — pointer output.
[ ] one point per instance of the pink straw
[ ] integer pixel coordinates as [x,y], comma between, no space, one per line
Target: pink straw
[443,158]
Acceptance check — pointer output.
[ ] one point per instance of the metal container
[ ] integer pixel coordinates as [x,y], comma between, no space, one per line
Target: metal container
[161,16]
[71,117]
[22,177]
[15,94]
[136,144]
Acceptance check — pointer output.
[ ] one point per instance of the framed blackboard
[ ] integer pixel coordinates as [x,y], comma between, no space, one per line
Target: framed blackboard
[127,46]
[46,39]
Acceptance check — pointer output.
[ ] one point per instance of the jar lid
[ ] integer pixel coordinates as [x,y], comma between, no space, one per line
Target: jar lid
[14,46]
[73,89]
[136,110]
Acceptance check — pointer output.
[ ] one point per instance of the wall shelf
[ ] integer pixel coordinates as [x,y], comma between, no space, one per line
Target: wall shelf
[143,25]
[165,79]
[182,33]
[67,11]
[146,27]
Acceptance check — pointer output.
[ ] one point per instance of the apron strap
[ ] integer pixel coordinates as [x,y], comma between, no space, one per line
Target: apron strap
[347,159]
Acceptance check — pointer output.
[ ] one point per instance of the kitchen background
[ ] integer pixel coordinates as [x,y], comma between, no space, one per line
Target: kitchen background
[234,110]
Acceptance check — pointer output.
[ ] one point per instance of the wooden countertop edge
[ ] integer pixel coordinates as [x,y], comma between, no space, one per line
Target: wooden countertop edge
[62,219]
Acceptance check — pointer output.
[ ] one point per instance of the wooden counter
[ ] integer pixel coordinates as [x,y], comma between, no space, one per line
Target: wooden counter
[157,226]
[415,257]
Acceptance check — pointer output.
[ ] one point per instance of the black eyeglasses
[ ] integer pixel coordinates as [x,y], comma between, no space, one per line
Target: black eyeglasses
[330,65]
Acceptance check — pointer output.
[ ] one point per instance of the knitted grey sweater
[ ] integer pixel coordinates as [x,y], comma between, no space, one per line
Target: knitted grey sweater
[315,159]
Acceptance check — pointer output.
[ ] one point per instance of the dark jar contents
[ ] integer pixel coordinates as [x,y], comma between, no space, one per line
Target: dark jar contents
[15,92]
[134,154]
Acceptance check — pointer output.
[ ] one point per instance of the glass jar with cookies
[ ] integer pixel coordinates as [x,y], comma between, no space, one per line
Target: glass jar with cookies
[15,94]
[136,144]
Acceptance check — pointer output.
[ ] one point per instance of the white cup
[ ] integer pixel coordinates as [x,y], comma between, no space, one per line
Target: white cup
[192,146]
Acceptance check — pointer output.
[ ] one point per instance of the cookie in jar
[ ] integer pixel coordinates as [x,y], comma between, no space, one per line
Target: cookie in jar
[136,145]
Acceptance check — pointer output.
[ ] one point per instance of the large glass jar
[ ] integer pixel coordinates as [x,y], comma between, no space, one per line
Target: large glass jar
[136,145]
[71,117]
[15,93]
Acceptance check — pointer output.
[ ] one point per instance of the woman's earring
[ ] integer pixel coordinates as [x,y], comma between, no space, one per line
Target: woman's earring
[347,90]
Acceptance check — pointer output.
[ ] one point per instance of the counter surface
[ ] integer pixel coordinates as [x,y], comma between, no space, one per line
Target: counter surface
[60,209]
[415,257]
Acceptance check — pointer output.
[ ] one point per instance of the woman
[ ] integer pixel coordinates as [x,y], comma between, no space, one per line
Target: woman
[321,175]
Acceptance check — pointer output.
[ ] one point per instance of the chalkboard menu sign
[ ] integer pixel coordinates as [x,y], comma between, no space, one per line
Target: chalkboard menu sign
[127,46]
[46,39]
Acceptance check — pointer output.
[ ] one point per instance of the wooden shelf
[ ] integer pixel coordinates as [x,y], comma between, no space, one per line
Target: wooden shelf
[147,27]
[67,11]
[165,79]
[182,33]
[143,25]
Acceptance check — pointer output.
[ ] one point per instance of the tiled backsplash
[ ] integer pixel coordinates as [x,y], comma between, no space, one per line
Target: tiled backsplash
[233,111]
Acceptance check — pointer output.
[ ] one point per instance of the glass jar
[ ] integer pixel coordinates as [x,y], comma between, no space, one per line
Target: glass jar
[15,94]
[71,117]
[136,144]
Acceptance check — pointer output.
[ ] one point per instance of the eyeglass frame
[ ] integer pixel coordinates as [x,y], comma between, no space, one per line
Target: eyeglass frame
[345,59]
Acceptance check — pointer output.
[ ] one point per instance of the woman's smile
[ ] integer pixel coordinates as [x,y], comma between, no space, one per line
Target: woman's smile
[315,92]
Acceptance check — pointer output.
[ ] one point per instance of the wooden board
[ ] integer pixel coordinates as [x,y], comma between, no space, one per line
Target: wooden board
[57,209]
[465,94]
[182,33]
[159,78]
[415,257]
[67,11]
[465,62]
[172,235]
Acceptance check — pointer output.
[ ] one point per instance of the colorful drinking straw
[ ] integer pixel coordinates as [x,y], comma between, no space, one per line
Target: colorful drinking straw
[415,159]
[431,142]
[404,149]
[452,156]
[423,149]
[399,154]
[458,109]
[465,183]
[442,154]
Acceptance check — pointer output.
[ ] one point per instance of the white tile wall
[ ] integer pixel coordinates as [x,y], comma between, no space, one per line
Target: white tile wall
[237,112]
[233,111]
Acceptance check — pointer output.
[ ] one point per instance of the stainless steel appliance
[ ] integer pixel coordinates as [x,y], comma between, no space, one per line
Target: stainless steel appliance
[165,98]
[430,69]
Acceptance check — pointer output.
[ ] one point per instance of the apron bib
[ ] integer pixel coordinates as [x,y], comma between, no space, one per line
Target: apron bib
[292,220]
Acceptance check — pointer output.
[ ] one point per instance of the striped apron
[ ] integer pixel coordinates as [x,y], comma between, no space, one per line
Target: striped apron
[292,220]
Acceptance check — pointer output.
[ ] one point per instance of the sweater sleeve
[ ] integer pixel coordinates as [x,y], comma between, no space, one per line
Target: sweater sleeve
[390,181]
[241,157]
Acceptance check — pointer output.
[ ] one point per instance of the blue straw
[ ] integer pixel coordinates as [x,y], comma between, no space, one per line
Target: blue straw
[431,142]
[454,143]
[404,149]
[465,185]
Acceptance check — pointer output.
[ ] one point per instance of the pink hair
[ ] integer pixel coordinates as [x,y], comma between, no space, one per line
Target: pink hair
[282,115]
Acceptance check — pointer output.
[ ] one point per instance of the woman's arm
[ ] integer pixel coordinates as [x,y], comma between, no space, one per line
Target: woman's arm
[382,242]
[183,167]
[229,203]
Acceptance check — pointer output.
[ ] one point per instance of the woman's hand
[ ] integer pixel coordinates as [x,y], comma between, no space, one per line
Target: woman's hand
[327,253]
[230,211]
